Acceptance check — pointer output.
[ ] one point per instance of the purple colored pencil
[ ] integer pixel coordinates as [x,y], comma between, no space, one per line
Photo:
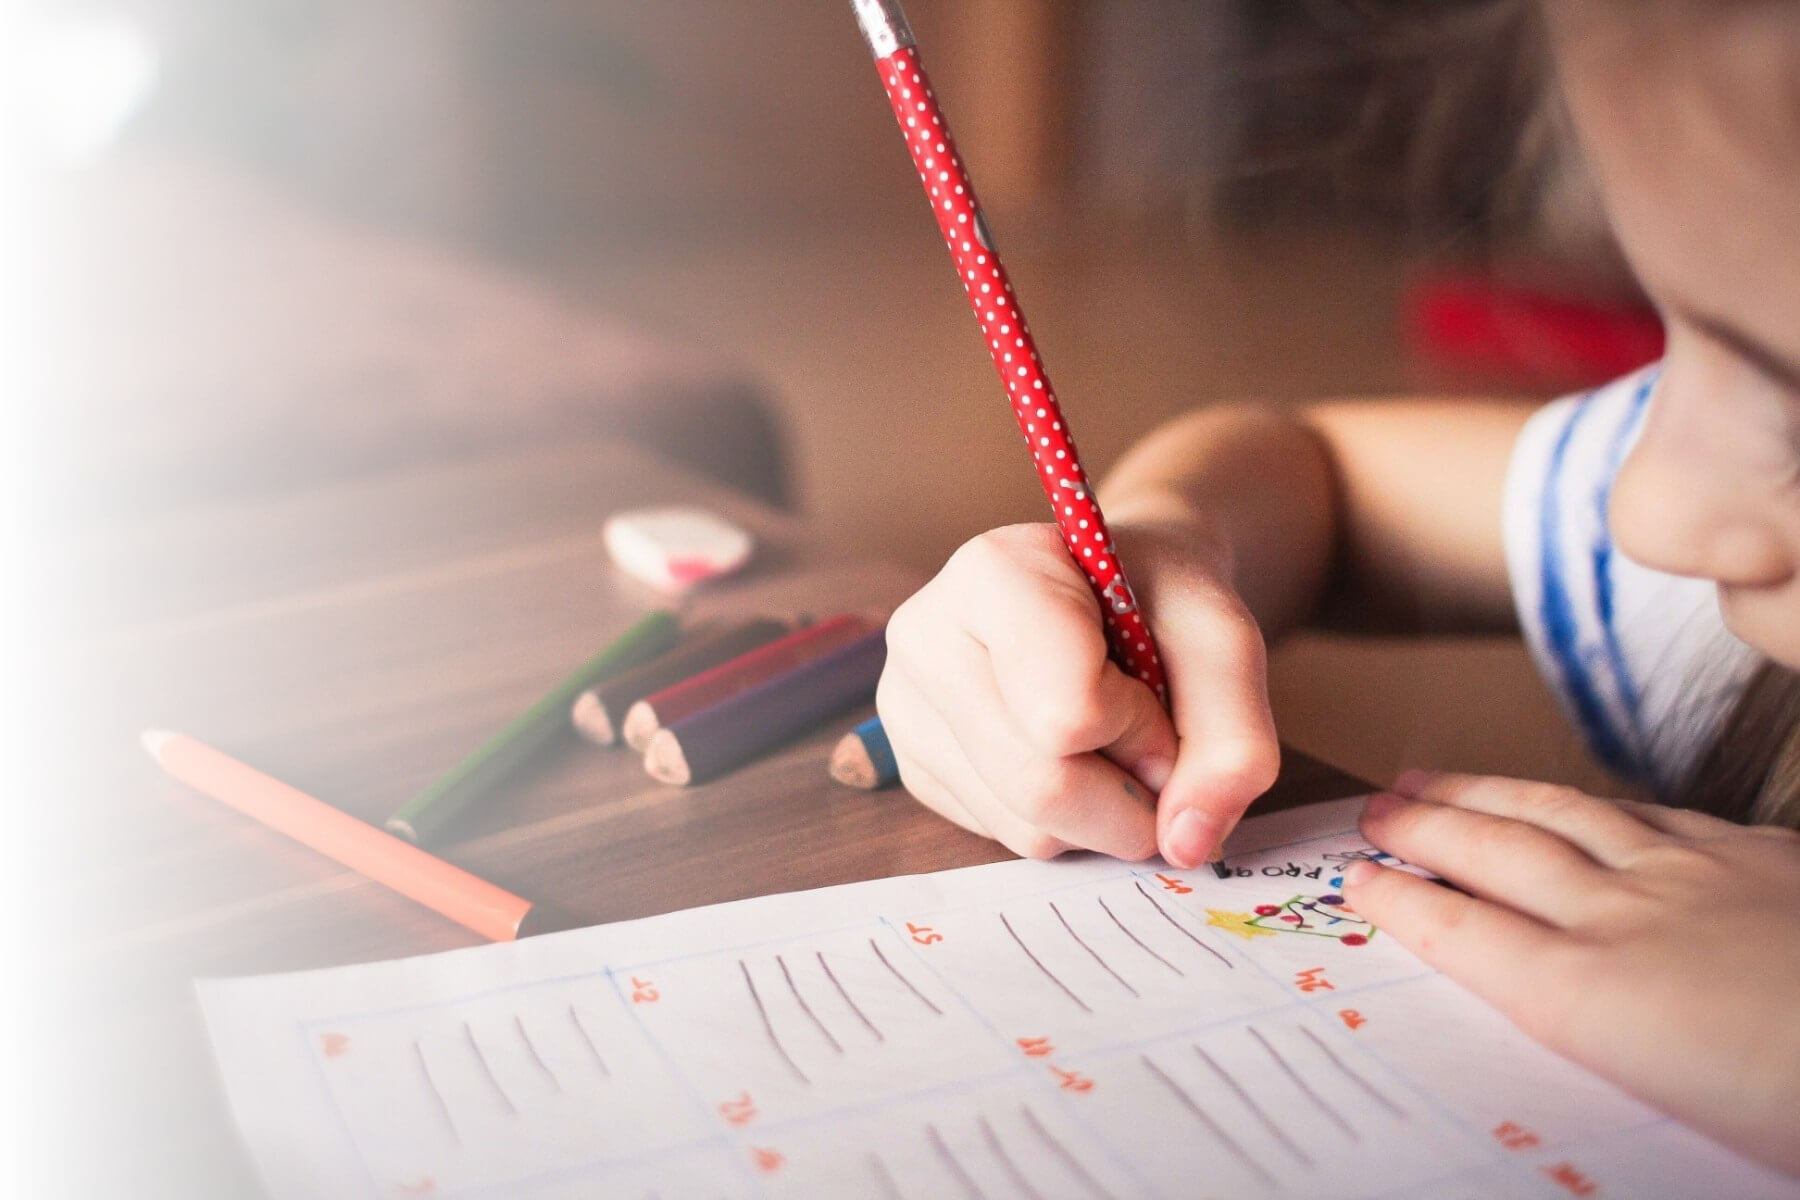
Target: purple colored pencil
[716,739]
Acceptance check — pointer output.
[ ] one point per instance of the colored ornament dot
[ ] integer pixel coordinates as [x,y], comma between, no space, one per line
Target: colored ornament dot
[1354,939]
[1331,899]
[1266,910]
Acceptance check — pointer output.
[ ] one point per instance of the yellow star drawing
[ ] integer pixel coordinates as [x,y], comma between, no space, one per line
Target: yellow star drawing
[1238,923]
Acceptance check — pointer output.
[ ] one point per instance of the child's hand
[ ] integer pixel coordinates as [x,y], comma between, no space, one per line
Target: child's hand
[1007,717]
[1657,946]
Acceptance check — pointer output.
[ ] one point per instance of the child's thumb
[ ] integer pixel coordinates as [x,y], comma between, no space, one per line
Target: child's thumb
[1227,753]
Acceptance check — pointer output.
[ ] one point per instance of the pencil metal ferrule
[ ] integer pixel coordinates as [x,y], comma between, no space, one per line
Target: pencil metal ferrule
[884,26]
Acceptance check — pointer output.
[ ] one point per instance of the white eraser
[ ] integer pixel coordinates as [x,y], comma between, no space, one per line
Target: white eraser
[672,549]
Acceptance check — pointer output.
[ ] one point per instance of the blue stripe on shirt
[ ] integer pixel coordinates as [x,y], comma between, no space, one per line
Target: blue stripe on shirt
[1557,610]
[1603,560]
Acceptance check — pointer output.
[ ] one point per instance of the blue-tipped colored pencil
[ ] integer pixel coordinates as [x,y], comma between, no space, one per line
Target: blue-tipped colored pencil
[864,759]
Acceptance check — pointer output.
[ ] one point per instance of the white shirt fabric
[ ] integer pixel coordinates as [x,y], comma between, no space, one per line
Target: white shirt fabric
[1640,660]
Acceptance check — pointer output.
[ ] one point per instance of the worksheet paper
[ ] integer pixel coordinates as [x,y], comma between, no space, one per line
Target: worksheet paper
[1082,1028]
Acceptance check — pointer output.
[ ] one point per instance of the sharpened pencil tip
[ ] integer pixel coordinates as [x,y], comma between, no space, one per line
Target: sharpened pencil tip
[850,764]
[154,740]
[590,719]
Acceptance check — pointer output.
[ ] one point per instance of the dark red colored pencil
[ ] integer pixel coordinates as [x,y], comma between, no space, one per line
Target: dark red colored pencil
[599,712]
[716,739]
[682,700]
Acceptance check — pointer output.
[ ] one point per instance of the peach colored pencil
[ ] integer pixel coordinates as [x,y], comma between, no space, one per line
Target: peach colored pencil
[489,910]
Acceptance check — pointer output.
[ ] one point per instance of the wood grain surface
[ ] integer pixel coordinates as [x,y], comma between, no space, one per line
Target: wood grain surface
[352,641]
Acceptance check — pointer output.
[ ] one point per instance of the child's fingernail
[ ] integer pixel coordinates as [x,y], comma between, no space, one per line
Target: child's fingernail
[1413,782]
[1193,836]
[1360,872]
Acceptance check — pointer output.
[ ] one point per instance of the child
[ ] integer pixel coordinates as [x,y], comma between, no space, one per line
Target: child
[1646,537]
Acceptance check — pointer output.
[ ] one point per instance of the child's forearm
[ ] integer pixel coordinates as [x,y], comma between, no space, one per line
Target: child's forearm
[1381,514]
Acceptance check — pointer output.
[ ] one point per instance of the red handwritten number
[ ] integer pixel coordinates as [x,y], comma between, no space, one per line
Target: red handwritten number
[1313,980]
[1514,1136]
[1072,1081]
[1174,885]
[739,1110]
[925,935]
[643,992]
[1565,1176]
[1352,1019]
[1036,1047]
[767,1161]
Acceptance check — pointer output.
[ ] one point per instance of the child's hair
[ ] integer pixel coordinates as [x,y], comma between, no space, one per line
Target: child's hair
[1441,114]
[1751,773]
[1447,78]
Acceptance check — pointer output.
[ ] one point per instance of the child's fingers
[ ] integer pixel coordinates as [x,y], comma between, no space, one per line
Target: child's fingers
[1140,736]
[1079,799]
[955,780]
[1679,822]
[1609,834]
[1510,862]
[1513,962]
[911,746]
[1219,691]
[1025,602]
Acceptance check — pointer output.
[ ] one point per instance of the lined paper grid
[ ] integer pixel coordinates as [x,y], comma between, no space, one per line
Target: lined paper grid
[1080,1028]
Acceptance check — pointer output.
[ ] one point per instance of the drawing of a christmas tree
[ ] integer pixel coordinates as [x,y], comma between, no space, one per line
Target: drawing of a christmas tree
[1320,916]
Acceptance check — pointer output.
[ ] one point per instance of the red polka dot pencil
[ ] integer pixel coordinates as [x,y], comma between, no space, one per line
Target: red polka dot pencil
[952,195]
[1041,420]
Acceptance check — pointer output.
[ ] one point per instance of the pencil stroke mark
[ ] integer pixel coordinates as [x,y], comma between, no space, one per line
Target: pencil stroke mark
[1358,1080]
[1137,941]
[1104,965]
[949,1160]
[1069,1161]
[1006,1160]
[1212,1126]
[908,984]
[1318,1100]
[488,1070]
[437,1096]
[531,1049]
[1082,1004]
[769,1026]
[599,1061]
[854,1007]
[1256,1110]
[1185,932]
[884,1177]
[804,1006]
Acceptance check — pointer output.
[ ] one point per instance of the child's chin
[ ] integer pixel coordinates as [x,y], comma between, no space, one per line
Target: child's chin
[1766,619]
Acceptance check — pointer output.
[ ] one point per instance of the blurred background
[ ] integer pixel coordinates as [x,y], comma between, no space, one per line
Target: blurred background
[289,240]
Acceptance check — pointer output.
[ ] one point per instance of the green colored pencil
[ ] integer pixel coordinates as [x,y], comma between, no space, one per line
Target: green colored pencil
[434,809]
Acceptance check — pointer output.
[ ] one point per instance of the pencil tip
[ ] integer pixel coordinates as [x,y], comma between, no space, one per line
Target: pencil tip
[154,740]
[640,724]
[589,717]
[850,764]
[664,760]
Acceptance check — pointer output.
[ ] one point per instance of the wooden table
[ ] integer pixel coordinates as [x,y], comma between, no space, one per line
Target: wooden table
[353,640]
